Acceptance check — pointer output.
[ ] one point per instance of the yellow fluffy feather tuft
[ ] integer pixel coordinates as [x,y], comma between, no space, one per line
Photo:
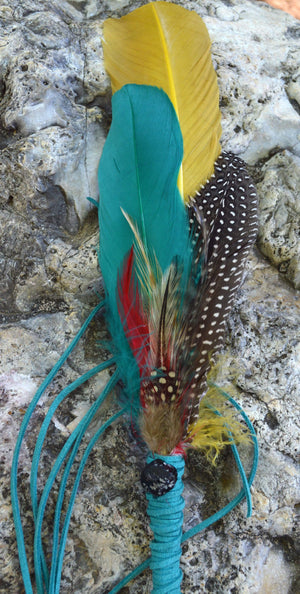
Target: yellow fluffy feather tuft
[218,425]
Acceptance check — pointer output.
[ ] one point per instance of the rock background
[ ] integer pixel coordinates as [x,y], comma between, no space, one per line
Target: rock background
[54,116]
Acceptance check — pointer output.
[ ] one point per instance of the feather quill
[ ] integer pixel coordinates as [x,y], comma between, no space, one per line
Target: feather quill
[167,46]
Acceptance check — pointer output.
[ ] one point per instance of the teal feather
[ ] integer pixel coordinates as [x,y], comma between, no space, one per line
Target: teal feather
[138,172]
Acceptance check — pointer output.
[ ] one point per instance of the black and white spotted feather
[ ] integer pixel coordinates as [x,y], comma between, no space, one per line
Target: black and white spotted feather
[227,209]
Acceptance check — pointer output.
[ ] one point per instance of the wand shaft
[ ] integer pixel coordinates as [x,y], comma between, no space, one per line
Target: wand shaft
[166,520]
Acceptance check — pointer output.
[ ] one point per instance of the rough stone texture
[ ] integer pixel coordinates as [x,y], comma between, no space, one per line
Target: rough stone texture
[54,113]
[280,214]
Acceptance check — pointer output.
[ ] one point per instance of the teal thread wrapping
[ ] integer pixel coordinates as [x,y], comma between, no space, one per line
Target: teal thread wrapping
[166,519]
[215,517]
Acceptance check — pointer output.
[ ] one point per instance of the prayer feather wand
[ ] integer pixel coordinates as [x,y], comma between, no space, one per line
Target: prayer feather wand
[174,268]
[177,219]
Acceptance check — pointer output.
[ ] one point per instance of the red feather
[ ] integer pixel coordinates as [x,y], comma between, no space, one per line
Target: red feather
[132,314]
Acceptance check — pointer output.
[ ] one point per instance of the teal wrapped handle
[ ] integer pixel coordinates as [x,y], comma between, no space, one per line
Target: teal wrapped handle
[166,520]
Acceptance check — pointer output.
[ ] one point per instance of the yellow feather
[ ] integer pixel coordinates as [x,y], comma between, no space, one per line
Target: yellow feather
[167,46]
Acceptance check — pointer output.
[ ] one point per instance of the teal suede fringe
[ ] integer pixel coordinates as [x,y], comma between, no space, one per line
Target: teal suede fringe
[165,512]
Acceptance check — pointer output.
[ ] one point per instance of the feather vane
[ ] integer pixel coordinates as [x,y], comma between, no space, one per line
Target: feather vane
[132,315]
[138,173]
[167,46]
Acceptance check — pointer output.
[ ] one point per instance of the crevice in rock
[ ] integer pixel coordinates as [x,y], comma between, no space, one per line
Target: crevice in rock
[294,104]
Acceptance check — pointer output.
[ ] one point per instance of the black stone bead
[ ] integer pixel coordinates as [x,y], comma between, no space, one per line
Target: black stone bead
[158,477]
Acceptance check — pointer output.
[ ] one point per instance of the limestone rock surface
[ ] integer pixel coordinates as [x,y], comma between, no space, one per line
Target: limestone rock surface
[54,117]
[280,214]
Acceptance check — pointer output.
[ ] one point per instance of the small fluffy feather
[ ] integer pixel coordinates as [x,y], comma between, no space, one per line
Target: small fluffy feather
[217,425]
[161,427]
